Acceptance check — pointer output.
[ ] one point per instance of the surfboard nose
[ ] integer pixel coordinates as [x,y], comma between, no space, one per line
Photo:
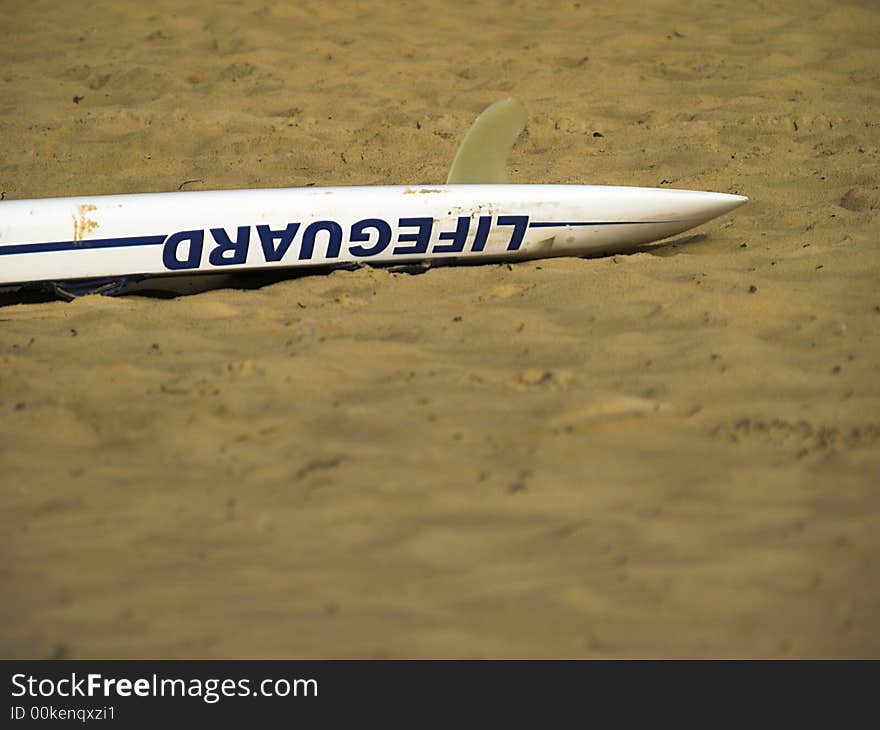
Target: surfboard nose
[695,206]
[711,205]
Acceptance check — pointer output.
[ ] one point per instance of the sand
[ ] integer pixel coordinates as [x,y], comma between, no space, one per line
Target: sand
[672,453]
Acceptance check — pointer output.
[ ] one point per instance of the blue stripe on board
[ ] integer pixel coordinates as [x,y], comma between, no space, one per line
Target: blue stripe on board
[18,248]
[560,224]
[81,245]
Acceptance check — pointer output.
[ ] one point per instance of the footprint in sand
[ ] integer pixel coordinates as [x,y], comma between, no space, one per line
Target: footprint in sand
[608,408]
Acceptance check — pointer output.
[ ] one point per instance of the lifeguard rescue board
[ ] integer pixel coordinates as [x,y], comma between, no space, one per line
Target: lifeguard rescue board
[99,242]
[225,230]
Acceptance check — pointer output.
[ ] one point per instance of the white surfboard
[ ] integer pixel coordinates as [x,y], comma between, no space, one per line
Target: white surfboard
[474,217]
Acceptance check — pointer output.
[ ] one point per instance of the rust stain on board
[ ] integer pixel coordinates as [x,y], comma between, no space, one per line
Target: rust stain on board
[82,224]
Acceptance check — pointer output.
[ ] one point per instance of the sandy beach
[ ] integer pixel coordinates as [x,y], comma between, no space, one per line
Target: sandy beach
[669,453]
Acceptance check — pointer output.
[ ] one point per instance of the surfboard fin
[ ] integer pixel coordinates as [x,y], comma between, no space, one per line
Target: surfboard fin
[482,154]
